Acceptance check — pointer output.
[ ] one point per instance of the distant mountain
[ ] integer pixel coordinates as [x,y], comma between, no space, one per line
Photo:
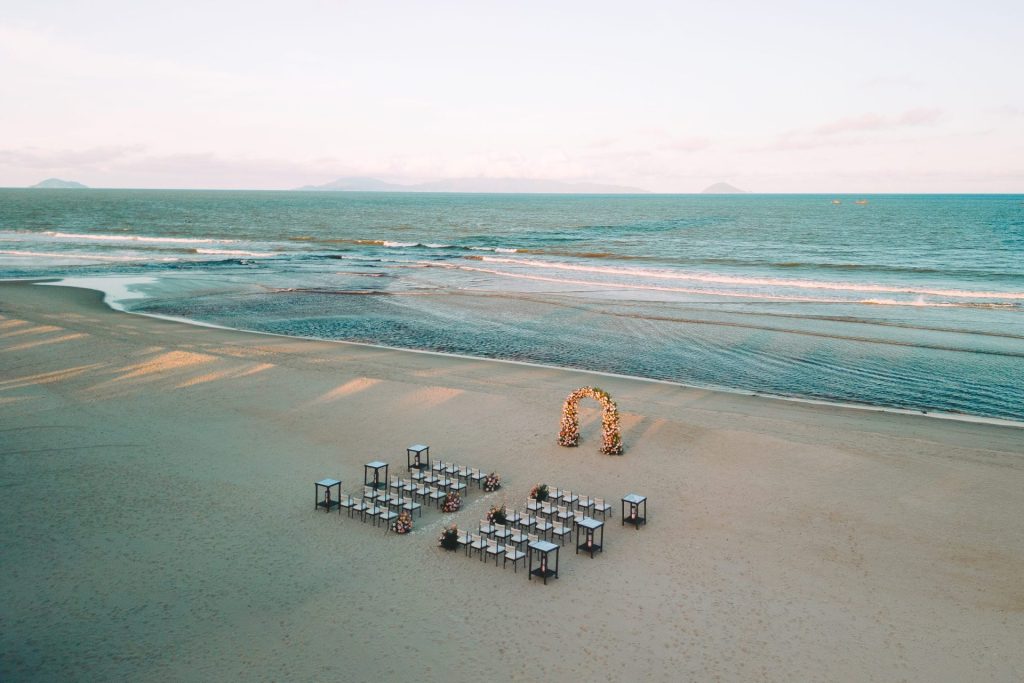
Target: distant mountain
[723,188]
[356,185]
[483,185]
[58,184]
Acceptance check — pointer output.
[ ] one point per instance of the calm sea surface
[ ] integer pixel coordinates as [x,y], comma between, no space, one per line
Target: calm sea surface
[909,301]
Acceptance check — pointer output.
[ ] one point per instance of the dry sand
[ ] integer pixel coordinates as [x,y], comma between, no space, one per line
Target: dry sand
[158,520]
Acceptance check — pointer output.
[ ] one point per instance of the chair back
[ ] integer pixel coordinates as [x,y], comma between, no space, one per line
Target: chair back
[599,503]
[532,538]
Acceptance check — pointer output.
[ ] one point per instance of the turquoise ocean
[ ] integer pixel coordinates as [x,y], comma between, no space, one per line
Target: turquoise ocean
[897,301]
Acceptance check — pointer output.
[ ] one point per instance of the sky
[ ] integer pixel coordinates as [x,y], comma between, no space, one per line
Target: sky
[668,97]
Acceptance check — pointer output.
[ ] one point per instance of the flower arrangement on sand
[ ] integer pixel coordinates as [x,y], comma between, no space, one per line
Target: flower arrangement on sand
[451,503]
[492,482]
[403,524]
[449,539]
[539,492]
[569,434]
[498,514]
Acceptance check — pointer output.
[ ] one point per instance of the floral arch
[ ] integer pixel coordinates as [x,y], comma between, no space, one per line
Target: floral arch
[611,438]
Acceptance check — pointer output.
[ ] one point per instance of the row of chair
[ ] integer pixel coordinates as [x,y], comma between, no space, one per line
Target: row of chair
[487,547]
[444,469]
[381,509]
[591,506]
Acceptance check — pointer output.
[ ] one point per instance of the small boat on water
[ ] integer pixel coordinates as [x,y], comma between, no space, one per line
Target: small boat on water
[836,201]
[862,202]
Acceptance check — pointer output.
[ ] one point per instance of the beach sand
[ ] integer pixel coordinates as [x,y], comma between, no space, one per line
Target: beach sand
[159,525]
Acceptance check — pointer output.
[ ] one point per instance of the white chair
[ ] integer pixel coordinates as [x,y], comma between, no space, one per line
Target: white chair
[456,485]
[412,506]
[516,536]
[585,503]
[494,549]
[372,511]
[513,517]
[347,502]
[435,495]
[500,532]
[396,484]
[360,507]
[543,526]
[527,521]
[464,539]
[569,499]
[577,518]
[513,553]
[563,514]
[369,493]
[561,531]
[486,528]
[421,490]
[532,505]
[408,486]
[531,538]
[478,544]
[387,515]
[602,507]
[478,476]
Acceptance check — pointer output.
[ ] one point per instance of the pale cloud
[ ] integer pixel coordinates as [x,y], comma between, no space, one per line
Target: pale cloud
[68,158]
[874,122]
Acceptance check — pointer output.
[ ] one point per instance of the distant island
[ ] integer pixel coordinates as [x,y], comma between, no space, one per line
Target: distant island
[58,184]
[481,185]
[723,188]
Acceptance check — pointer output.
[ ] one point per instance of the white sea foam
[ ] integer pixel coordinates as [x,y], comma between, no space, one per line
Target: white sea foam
[134,238]
[639,287]
[84,257]
[714,278]
[496,250]
[235,252]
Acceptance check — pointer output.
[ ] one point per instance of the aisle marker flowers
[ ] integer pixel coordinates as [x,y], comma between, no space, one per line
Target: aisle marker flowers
[403,524]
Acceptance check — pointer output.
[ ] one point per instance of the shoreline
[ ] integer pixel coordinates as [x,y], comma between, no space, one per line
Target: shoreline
[940,415]
[158,524]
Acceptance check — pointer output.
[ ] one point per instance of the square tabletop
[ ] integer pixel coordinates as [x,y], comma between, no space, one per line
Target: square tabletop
[418,448]
[590,523]
[543,546]
[376,464]
[634,498]
[328,482]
